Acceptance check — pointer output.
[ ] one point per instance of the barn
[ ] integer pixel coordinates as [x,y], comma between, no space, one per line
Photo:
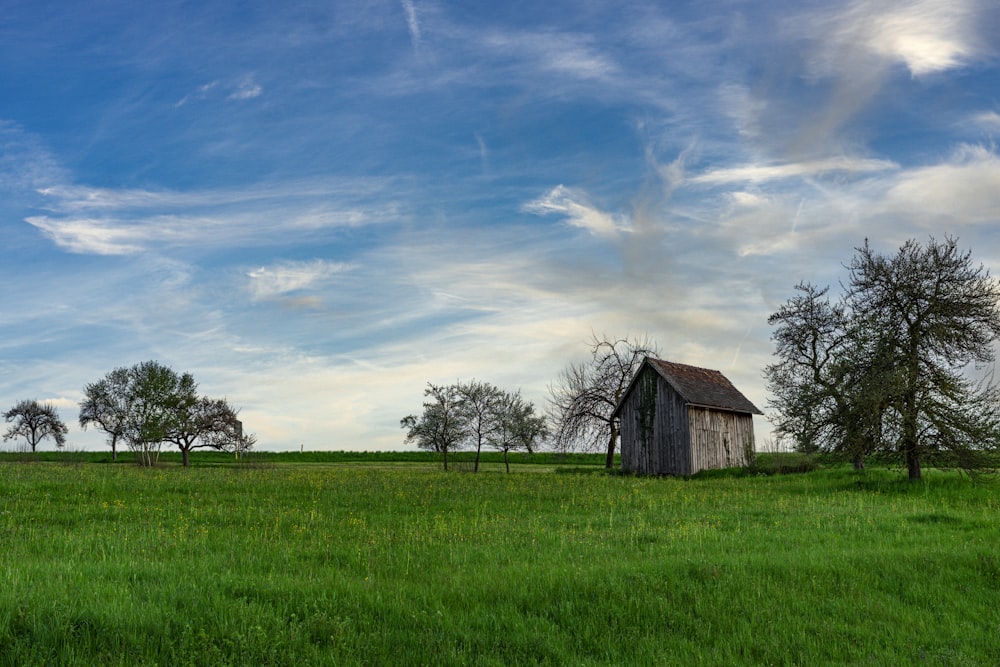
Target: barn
[677,419]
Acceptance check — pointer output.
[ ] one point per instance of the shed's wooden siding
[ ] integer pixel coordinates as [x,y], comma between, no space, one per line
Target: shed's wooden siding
[719,439]
[656,444]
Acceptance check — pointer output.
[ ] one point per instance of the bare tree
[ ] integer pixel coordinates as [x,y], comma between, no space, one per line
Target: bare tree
[34,422]
[585,394]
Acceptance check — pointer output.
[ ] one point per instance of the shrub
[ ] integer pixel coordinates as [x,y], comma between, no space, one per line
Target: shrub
[783,463]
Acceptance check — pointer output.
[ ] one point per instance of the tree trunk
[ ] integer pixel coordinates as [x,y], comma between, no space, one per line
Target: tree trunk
[859,461]
[610,461]
[505,462]
[446,458]
[913,464]
[910,441]
[185,456]
[114,448]
[479,447]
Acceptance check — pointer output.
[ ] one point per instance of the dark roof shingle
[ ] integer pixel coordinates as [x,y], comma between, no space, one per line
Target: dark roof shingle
[701,386]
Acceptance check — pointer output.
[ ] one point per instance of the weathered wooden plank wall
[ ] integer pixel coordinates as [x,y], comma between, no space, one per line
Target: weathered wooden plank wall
[672,431]
[719,439]
[654,429]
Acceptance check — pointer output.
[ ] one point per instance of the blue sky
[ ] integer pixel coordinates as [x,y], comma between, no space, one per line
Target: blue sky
[317,208]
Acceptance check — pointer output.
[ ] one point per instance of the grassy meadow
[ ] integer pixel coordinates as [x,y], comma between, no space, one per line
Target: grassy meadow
[346,563]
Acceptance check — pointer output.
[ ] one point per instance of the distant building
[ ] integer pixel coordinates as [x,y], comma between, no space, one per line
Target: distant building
[678,420]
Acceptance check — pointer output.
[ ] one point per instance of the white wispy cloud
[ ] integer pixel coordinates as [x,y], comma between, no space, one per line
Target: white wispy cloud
[237,89]
[25,163]
[963,190]
[989,120]
[268,282]
[561,53]
[843,57]
[74,198]
[484,152]
[759,173]
[120,222]
[927,36]
[91,236]
[246,88]
[579,212]
[412,23]
[116,236]
[200,93]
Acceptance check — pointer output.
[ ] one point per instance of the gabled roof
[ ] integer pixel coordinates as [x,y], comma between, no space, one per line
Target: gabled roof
[697,386]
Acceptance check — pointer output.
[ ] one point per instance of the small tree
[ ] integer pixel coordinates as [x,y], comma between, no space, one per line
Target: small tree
[34,422]
[478,404]
[228,436]
[205,422]
[441,428]
[515,425]
[586,394]
[106,404]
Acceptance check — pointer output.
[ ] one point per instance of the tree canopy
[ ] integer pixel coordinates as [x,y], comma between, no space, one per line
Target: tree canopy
[890,366]
[105,405]
[149,404]
[472,414]
[34,422]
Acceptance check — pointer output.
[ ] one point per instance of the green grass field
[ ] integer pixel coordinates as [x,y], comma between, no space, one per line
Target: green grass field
[338,563]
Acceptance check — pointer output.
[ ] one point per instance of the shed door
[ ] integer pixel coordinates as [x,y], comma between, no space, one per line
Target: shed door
[710,440]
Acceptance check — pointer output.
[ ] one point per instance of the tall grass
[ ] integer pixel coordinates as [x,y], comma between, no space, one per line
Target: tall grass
[358,565]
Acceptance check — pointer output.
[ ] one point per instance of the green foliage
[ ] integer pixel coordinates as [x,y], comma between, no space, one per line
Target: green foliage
[782,463]
[886,367]
[323,564]
[150,403]
[469,414]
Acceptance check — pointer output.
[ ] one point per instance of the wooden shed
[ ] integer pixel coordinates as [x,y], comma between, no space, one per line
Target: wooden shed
[677,420]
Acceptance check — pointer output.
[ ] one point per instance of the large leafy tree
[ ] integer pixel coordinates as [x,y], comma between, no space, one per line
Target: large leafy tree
[888,367]
[158,397]
[822,388]
[585,395]
[34,422]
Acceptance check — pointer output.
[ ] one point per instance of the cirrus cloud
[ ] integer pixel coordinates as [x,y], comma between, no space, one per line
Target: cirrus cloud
[280,279]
